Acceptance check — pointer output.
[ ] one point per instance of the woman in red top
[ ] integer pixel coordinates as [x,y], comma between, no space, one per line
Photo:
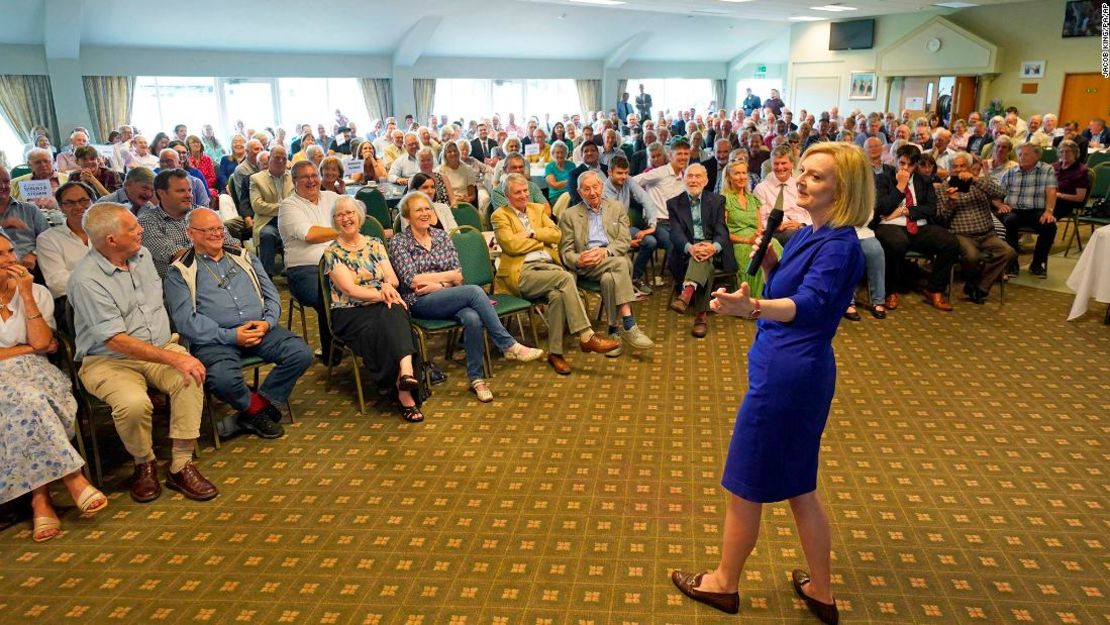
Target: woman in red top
[202,162]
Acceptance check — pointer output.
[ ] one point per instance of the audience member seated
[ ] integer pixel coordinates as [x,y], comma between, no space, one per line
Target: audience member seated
[591,161]
[66,161]
[170,159]
[306,228]
[240,180]
[367,311]
[223,303]
[442,217]
[965,204]
[124,344]
[60,248]
[268,189]
[482,147]
[514,163]
[715,166]
[1071,132]
[22,222]
[331,175]
[373,170]
[529,268]
[622,189]
[102,180]
[431,284]
[1030,203]
[137,191]
[700,243]
[164,226]
[542,150]
[196,158]
[905,220]
[42,168]
[37,408]
[780,190]
[1001,158]
[1072,180]
[458,176]
[406,164]
[595,238]
[742,220]
[1097,134]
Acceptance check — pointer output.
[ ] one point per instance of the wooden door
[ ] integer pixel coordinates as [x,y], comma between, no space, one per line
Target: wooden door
[1085,96]
[921,92]
[964,97]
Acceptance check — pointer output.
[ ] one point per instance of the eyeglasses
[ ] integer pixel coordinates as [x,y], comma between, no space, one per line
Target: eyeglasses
[209,232]
[71,203]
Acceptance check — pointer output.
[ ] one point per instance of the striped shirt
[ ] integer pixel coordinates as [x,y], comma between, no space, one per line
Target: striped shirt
[1026,190]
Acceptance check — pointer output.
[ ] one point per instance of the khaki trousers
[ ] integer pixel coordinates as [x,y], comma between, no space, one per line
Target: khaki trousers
[994,254]
[564,305]
[700,272]
[122,384]
[615,275]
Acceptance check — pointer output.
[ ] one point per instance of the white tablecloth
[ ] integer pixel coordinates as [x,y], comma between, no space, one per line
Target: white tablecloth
[1091,276]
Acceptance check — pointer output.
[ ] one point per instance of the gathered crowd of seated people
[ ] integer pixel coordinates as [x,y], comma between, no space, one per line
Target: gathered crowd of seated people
[161,266]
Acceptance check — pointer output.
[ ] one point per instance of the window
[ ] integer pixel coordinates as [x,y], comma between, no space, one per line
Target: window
[11,144]
[315,100]
[162,102]
[670,95]
[468,98]
[760,86]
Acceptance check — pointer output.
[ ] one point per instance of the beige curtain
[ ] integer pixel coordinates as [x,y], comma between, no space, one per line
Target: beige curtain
[622,86]
[424,90]
[719,87]
[28,101]
[377,93]
[589,94]
[109,100]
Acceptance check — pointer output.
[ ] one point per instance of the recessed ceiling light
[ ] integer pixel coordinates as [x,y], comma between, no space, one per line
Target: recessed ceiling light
[806,18]
[955,5]
[599,2]
[833,8]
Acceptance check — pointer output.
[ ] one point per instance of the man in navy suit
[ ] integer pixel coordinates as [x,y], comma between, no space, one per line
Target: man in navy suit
[481,147]
[591,161]
[624,108]
[1097,133]
[699,240]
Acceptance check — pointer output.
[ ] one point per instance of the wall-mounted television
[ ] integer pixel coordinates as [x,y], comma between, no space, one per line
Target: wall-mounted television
[853,35]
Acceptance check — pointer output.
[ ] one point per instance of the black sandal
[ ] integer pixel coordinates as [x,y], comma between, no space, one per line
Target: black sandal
[412,414]
[408,383]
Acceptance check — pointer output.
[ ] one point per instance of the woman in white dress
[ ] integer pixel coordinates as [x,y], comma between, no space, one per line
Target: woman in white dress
[37,413]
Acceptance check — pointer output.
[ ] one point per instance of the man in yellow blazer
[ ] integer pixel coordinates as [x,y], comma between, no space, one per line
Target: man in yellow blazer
[530,269]
[267,189]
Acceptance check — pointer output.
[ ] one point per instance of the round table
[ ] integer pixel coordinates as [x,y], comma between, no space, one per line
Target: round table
[1091,276]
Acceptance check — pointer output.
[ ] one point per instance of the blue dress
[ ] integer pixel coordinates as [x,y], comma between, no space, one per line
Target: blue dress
[791,369]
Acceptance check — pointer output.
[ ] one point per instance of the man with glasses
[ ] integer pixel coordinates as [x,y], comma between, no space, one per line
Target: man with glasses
[305,224]
[64,245]
[164,226]
[223,302]
[267,190]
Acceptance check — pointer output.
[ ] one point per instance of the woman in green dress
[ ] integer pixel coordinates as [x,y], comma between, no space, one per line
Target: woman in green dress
[742,218]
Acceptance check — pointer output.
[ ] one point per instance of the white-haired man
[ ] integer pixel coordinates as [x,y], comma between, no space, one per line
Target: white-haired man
[66,161]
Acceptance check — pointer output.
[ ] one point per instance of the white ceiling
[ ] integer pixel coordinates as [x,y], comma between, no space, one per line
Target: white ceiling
[676,30]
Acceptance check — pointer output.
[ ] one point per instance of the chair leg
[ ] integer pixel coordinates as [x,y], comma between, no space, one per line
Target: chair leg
[421,340]
[358,383]
[304,323]
[97,465]
[532,323]
[212,420]
[81,448]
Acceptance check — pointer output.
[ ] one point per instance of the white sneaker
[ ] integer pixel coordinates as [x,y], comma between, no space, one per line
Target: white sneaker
[636,338]
[523,353]
[616,352]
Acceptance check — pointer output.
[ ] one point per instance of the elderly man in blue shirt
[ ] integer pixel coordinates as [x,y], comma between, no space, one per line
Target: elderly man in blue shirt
[22,222]
[225,305]
[124,344]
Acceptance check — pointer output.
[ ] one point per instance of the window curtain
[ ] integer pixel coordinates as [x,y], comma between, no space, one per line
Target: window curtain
[28,101]
[719,87]
[424,90]
[377,93]
[109,100]
[589,94]
[622,86]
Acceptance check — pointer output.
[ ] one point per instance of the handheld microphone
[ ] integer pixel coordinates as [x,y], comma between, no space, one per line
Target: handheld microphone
[774,220]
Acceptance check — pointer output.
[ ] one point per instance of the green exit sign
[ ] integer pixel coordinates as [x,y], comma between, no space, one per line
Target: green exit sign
[761,69]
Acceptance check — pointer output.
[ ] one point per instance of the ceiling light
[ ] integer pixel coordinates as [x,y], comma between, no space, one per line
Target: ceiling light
[835,8]
[736,0]
[806,18]
[955,5]
[605,3]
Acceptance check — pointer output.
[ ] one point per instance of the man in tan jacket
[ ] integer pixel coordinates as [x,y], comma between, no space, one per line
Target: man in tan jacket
[530,269]
[595,241]
[267,189]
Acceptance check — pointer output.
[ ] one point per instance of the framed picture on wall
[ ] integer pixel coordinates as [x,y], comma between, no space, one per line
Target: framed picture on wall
[1082,18]
[1032,69]
[861,86]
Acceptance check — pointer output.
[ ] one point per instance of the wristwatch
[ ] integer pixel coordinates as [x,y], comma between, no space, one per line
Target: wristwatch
[757,310]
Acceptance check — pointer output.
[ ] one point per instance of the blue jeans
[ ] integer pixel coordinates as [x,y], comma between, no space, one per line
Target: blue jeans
[875,258]
[470,305]
[304,284]
[268,242]
[286,350]
[643,255]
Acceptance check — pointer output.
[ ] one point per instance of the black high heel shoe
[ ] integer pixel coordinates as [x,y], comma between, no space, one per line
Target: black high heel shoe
[825,612]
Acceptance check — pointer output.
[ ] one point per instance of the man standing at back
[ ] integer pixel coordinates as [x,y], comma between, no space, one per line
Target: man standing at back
[624,108]
[643,103]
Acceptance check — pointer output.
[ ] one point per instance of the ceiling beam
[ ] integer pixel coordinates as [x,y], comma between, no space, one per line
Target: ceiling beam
[413,42]
[620,55]
[744,57]
[62,30]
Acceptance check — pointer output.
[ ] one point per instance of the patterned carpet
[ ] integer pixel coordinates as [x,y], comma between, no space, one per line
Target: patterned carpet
[965,467]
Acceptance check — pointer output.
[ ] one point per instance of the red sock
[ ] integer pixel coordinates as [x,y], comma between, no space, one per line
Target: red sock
[688,292]
[258,404]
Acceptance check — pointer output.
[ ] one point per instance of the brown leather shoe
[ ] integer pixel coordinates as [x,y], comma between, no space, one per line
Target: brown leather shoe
[891,301]
[938,301]
[679,304]
[559,364]
[189,482]
[700,328]
[144,482]
[728,602]
[599,345]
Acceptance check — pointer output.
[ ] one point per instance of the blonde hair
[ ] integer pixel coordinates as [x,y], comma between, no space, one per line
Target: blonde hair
[854,201]
[726,184]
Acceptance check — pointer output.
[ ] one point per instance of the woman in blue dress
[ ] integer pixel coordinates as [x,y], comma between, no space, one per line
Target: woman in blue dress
[791,379]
